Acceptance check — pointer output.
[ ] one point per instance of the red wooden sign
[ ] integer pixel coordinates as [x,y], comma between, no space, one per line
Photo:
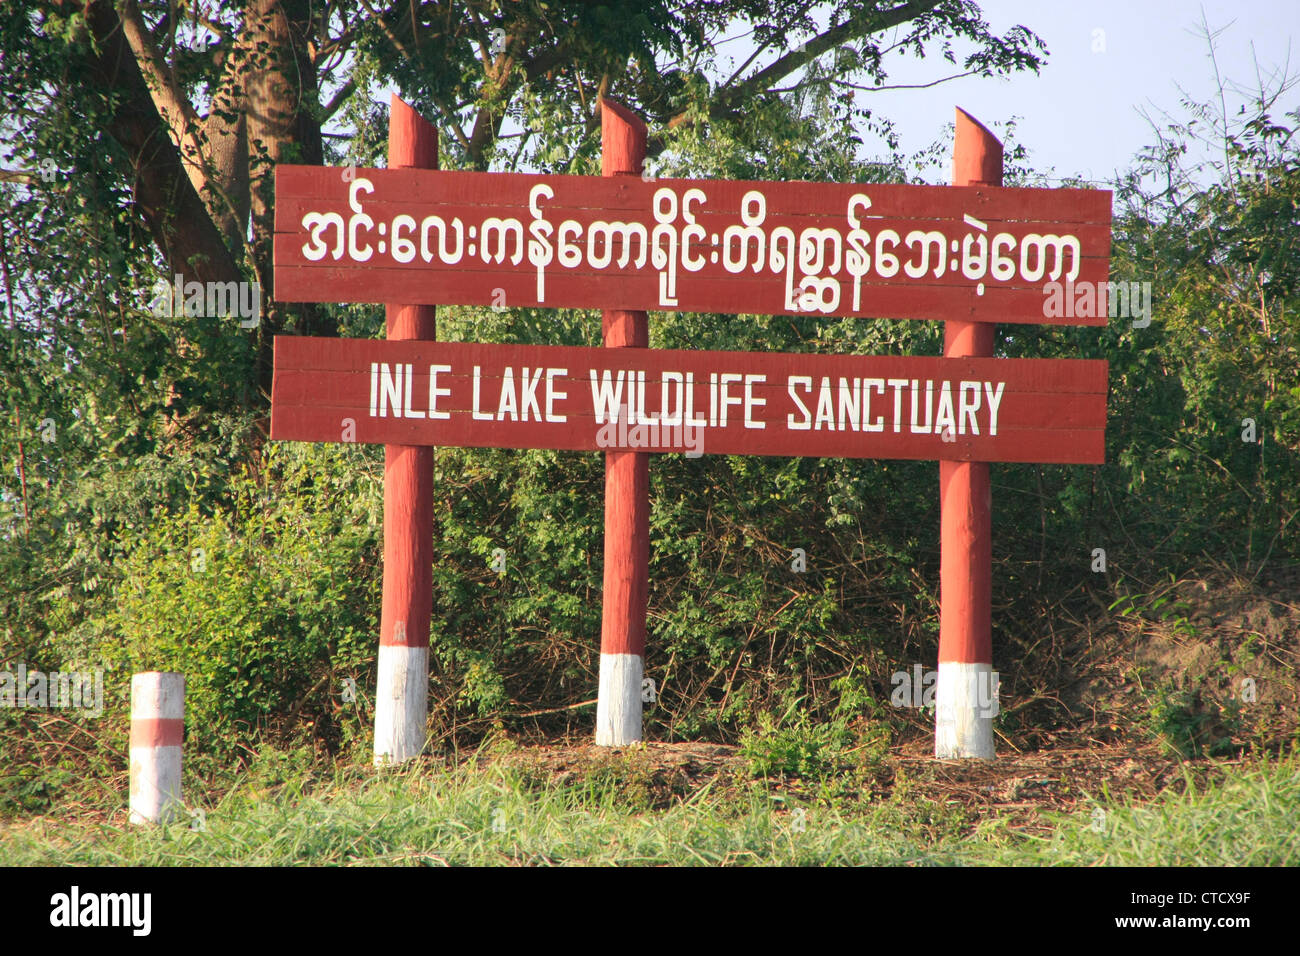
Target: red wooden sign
[743,403]
[768,248]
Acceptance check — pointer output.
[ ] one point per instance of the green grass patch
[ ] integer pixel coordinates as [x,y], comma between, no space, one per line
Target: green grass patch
[499,814]
[1250,819]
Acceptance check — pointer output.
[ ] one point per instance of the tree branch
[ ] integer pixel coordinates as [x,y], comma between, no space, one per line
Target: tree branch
[832,38]
[168,98]
[162,192]
[758,50]
[834,81]
[861,25]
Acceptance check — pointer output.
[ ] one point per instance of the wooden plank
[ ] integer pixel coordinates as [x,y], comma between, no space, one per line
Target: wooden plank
[880,250]
[576,398]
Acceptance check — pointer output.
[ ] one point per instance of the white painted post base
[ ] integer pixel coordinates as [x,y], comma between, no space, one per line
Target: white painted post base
[618,704]
[965,703]
[157,721]
[401,703]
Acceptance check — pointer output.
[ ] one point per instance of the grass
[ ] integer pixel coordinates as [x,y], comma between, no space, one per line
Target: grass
[500,814]
[1251,819]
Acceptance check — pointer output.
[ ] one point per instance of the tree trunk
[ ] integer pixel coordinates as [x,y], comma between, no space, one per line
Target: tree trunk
[281,97]
[162,193]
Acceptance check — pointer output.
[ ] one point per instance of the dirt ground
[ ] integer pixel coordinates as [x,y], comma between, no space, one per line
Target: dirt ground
[1017,787]
[1220,654]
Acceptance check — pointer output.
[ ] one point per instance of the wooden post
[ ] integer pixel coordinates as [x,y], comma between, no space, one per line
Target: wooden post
[627,493]
[157,730]
[964,691]
[402,688]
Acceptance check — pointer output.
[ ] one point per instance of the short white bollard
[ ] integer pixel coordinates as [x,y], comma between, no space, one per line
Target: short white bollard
[157,727]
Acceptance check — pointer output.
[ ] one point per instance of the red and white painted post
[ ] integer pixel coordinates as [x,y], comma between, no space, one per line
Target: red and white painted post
[627,492]
[402,688]
[157,730]
[964,691]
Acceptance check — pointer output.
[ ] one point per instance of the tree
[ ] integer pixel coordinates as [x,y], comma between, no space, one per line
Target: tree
[198,102]
[140,140]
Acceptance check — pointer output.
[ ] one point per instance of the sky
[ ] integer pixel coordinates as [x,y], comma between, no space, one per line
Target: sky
[1108,59]
[1107,62]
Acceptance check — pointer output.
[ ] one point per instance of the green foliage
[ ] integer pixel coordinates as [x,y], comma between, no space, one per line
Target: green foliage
[792,744]
[620,781]
[1191,727]
[1156,606]
[265,605]
[799,744]
[1223,346]
[28,788]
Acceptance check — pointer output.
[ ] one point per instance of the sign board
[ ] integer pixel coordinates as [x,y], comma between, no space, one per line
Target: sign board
[961,254]
[696,402]
[418,236]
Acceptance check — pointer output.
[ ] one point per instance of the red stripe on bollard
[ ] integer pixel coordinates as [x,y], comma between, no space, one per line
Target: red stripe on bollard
[156,733]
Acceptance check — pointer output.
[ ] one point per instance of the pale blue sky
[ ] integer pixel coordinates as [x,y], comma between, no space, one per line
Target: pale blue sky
[1080,114]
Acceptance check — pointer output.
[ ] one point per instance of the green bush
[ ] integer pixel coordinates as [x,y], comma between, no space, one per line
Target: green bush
[265,605]
[799,744]
[1192,727]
